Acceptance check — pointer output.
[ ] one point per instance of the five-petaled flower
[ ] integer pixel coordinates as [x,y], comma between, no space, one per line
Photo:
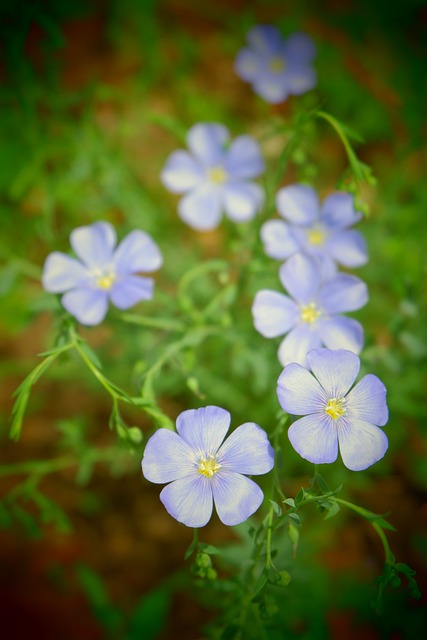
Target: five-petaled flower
[215,177]
[334,416]
[102,272]
[202,469]
[277,67]
[310,315]
[321,232]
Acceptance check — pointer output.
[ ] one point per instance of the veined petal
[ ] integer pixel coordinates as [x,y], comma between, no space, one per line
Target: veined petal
[298,203]
[206,141]
[300,47]
[367,401]
[94,244]
[242,200]
[335,370]
[348,247]
[204,429]
[297,344]
[189,500]
[244,159]
[130,290]
[341,333]
[167,457]
[279,240]
[343,293]
[315,438]
[300,275]
[201,208]
[181,172]
[60,273]
[88,305]
[338,210]
[299,392]
[302,79]
[247,450]
[248,65]
[137,252]
[274,313]
[361,443]
[265,38]
[236,497]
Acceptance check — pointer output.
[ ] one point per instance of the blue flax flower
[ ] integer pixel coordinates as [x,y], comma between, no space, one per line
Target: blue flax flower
[334,415]
[202,469]
[310,315]
[215,177]
[277,67]
[102,272]
[322,232]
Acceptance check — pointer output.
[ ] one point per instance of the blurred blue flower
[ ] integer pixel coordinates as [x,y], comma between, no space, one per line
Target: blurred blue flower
[202,469]
[322,232]
[277,67]
[102,273]
[310,315]
[334,416]
[215,176]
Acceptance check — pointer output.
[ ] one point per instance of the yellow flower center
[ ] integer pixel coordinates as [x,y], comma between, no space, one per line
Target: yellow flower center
[208,466]
[309,313]
[316,237]
[217,175]
[277,65]
[106,281]
[335,408]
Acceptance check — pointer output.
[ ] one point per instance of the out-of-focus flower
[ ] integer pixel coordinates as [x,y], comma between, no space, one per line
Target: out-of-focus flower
[322,232]
[310,315]
[202,469]
[215,176]
[277,67]
[334,416]
[102,273]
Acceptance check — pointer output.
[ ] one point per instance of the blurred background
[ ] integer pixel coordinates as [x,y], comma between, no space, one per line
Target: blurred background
[94,96]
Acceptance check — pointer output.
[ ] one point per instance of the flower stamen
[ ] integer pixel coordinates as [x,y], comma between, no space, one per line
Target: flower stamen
[316,237]
[277,65]
[335,408]
[208,466]
[309,313]
[217,175]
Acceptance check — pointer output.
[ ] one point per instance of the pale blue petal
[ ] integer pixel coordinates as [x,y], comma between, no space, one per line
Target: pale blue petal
[300,275]
[247,450]
[272,88]
[299,392]
[130,290]
[248,65]
[236,497]
[301,80]
[265,38]
[300,47]
[136,253]
[361,444]
[343,293]
[204,429]
[348,248]
[94,244]
[206,141]
[335,370]
[189,500]
[341,333]
[88,305]
[274,313]
[279,240]
[297,344]
[242,200]
[244,159]
[315,438]
[167,457]
[60,273]
[298,203]
[201,208]
[367,401]
[181,172]
[338,210]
